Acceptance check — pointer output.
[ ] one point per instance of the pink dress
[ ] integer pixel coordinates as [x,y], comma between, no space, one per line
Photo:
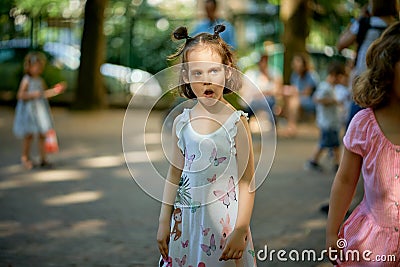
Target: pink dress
[374,224]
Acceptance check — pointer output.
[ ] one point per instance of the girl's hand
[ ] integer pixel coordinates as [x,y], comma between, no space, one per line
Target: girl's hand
[56,90]
[332,248]
[60,87]
[235,245]
[163,235]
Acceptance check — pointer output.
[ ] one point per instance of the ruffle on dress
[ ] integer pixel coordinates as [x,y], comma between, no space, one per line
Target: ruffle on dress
[183,120]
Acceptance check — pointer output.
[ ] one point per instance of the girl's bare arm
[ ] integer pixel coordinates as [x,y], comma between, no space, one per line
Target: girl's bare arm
[246,186]
[245,159]
[345,40]
[342,193]
[23,93]
[56,90]
[169,194]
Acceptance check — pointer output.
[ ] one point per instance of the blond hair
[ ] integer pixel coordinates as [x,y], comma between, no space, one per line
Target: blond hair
[32,58]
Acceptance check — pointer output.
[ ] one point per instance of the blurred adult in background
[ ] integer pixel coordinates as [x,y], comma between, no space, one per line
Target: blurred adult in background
[298,95]
[269,82]
[363,32]
[207,24]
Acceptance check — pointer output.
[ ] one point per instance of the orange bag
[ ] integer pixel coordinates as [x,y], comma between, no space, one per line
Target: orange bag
[50,143]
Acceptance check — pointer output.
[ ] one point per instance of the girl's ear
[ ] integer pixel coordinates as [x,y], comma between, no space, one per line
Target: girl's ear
[228,72]
[185,77]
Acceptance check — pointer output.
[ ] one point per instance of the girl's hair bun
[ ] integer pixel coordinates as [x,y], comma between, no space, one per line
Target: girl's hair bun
[218,29]
[181,33]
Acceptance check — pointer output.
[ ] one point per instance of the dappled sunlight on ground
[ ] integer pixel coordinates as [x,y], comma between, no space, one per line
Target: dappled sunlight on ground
[10,170]
[121,173]
[102,162]
[73,198]
[22,180]
[8,228]
[58,175]
[80,229]
[313,224]
[143,156]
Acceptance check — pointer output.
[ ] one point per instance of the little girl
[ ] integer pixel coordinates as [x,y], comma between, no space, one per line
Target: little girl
[209,191]
[33,112]
[372,145]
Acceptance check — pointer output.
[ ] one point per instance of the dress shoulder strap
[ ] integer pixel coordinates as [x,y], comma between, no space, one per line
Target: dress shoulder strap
[231,127]
[181,121]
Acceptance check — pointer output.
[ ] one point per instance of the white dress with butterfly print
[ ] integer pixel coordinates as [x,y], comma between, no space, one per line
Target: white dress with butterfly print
[206,205]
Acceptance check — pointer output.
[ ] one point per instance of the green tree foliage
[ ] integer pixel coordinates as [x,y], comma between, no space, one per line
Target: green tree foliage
[41,7]
[138,34]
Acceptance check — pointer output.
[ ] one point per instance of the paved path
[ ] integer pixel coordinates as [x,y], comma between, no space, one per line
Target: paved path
[88,211]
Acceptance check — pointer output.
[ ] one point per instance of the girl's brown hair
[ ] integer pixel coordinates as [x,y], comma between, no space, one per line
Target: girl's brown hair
[385,8]
[33,58]
[373,87]
[214,42]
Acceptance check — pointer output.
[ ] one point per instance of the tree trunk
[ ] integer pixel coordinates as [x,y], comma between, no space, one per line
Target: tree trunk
[294,15]
[90,92]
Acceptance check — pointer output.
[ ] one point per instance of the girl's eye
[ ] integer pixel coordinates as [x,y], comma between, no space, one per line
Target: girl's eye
[214,71]
[197,73]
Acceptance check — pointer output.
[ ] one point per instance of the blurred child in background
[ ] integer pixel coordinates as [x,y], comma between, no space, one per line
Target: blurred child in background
[33,116]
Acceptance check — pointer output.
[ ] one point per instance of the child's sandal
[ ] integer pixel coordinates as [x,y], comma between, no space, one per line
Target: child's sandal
[26,163]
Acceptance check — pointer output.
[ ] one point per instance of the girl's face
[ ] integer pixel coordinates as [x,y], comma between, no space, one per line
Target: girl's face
[35,69]
[206,74]
[297,64]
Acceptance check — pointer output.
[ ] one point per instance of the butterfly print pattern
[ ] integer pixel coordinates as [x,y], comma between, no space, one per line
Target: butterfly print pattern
[181,262]
[189,159]
[185,244]
[204,231]
[212,179]
[214,158]
[226,196]
[226,230]
[209,248]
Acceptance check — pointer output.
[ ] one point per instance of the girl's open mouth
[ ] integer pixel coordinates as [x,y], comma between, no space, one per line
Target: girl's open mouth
[208,93]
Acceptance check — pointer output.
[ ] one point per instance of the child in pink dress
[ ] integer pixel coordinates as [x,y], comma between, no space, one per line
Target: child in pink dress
[372,145]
